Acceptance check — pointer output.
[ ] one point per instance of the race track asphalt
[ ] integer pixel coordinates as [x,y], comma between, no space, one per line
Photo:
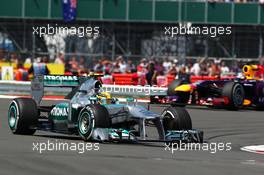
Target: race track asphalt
[240,128]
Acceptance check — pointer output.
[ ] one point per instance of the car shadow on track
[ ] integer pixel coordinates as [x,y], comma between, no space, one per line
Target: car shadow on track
[62,137]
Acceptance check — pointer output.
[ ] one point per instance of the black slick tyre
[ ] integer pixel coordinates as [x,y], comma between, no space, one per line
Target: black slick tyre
[23,116]
[235,94]
[176,118]
[91,117]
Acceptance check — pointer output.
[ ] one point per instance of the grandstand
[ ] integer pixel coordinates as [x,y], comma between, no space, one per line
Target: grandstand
[132,30]
[135,28]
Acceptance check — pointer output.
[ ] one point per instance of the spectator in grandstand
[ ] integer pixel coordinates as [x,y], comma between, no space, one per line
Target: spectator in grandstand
[82,64]
[151,75]
[13,58]
[242,0]
[73,64]
[116,68]
[183,74]
[98,67]
[121,64]
[167,64]
[21,74]
[142,67]
[159,68]
[196,69]
[107,67]
[204,69]
[130,67]
[59,59]
[173,70]
[45,59]
[224,69]
[28,61]
[214,69]
[39,68]
[189,66]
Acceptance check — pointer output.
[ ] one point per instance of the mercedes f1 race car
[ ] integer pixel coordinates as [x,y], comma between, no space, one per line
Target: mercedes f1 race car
[231,94]
[95,115]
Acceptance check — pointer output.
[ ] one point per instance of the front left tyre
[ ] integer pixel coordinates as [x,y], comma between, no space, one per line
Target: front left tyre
[23,116]
[176,118]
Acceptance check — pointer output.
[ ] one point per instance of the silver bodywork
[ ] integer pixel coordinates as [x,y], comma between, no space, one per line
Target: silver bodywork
[86,91]
[119,113]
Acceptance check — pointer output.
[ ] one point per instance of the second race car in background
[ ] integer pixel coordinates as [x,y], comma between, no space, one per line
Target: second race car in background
[231,94]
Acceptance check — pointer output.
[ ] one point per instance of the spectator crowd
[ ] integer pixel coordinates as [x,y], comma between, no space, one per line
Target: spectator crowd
[148,68]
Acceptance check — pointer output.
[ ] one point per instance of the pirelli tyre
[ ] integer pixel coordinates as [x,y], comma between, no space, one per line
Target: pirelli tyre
[176,118]
[91,117]
[235,94]
[23,116]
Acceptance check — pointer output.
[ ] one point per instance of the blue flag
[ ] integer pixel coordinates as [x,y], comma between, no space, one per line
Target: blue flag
[69,10]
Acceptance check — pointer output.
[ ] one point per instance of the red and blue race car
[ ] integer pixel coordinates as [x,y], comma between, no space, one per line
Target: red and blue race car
[231,94]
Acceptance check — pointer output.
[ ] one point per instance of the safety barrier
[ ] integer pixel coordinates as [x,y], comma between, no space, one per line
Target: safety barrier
[134,79]
[23,88]
[124,85]
[125,79]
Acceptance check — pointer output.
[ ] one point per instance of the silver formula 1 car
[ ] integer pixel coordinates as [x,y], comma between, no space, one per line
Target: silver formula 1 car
[89,112]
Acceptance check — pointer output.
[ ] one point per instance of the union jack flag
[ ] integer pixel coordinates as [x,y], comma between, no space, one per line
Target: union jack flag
[69,10]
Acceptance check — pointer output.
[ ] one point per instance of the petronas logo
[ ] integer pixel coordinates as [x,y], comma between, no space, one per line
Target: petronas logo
[59,112]
[60,78]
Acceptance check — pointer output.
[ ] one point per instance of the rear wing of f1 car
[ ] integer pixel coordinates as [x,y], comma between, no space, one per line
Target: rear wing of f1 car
[38,83]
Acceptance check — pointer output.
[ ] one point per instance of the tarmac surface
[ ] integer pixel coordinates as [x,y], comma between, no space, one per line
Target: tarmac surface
[230,129]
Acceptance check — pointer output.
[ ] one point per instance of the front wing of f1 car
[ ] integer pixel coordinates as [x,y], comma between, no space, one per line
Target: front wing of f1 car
[123,135]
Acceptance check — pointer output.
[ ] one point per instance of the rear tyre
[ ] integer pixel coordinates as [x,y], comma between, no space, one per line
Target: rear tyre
[235,93]
[176,118]
[23,116]
[90,117]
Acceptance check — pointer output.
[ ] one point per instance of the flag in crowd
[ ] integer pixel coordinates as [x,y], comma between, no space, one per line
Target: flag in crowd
[69,10]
